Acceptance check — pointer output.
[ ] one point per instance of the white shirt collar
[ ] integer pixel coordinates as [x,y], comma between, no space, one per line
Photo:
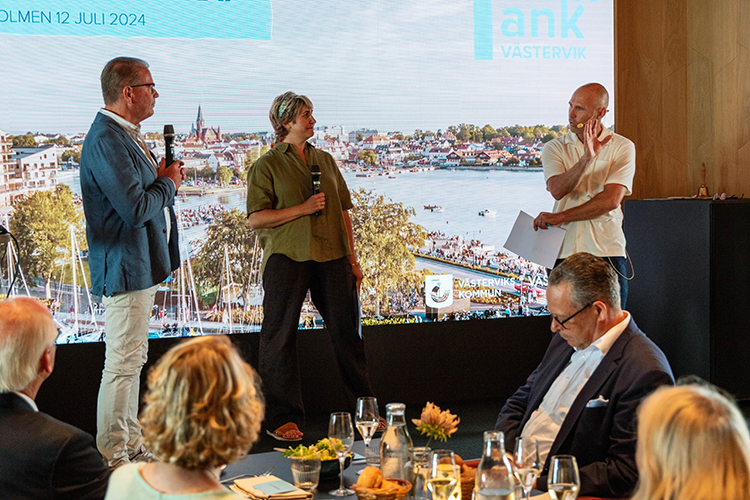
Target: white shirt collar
[120,120]
[30,401]
[604,343]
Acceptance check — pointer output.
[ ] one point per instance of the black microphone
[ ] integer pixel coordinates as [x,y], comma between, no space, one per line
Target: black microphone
[169,144]
[315,172]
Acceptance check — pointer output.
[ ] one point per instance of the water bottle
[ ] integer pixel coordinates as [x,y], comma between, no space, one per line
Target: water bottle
[396,445]
[495,472]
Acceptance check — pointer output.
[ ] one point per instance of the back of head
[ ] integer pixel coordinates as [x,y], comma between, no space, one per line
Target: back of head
[26,330]
[204,406]
[591,278]
[118,74]
[284,110]
[693,443]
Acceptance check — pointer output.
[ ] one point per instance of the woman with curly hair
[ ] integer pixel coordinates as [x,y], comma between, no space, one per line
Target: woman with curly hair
[693,444]
[203,411]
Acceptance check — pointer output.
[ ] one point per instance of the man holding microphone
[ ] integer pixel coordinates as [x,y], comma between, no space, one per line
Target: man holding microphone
[131,229]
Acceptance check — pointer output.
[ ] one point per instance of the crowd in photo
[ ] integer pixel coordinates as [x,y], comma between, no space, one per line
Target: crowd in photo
[204,214]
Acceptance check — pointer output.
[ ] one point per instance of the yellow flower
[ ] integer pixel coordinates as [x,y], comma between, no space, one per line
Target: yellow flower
[435,423]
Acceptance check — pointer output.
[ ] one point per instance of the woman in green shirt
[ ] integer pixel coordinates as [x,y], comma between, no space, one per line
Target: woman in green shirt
[307,244]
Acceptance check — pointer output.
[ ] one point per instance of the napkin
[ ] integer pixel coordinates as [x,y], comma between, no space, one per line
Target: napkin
[269,488]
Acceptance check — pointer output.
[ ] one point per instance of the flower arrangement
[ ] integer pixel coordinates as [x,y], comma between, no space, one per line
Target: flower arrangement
[436,423]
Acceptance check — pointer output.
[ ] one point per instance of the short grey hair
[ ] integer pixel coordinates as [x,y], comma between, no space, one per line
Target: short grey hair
[293,104]
[26,330]
[591,278]
[118,74]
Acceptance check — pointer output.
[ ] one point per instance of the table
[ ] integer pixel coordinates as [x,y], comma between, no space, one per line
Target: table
[259,463]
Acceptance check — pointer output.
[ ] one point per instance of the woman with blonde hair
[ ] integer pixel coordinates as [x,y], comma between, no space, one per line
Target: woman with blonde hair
[693,444]
[298,204]
[203,411]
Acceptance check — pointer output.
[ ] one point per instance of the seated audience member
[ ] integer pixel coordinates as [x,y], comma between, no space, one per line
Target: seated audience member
[582,398]
[40,457]
[693,444]
[203,411]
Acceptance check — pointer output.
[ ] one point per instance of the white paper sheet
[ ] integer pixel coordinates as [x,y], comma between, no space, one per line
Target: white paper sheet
[540,247]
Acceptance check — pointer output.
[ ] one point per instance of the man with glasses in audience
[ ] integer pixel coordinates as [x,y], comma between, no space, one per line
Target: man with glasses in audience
[131,230]
[40,457]
[582,398]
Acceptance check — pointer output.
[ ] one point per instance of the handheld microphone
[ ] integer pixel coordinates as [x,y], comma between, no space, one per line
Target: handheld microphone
[315,172]
[169,144]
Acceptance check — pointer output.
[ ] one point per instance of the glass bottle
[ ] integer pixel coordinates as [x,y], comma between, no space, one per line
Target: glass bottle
[495,472]
[396,445]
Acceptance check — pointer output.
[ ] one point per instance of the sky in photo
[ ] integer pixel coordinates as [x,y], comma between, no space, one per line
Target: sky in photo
[384,64]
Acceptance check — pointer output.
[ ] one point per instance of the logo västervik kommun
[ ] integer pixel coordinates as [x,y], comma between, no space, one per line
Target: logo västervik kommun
[438,290]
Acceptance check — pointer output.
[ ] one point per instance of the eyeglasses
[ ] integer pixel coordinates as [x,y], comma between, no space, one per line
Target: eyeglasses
[152,85]
[562,323]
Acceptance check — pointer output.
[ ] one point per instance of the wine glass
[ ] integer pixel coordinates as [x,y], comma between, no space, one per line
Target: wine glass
[341,436]
[444,475]
[367,419]
[527,465]
[564,481]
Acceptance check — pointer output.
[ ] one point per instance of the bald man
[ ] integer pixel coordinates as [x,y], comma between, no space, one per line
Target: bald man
[589,171]
[40,457]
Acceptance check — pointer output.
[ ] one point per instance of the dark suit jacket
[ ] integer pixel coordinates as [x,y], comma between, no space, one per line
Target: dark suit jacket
[41,457]
[601,438]
[124,202]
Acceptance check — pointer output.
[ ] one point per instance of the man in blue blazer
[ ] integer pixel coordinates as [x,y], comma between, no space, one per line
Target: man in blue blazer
[131,229]
[40,457]
[582,398]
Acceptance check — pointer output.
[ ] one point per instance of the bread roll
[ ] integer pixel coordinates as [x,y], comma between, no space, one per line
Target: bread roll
[389,486]
[371,477]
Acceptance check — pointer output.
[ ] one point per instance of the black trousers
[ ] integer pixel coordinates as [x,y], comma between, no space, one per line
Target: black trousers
[333,290]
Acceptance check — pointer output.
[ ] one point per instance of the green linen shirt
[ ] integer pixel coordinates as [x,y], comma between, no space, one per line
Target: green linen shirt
[280,179]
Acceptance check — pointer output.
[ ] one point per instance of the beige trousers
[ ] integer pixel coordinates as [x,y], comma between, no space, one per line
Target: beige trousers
[118,433]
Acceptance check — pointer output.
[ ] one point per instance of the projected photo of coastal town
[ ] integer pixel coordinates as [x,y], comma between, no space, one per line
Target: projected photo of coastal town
[438,139]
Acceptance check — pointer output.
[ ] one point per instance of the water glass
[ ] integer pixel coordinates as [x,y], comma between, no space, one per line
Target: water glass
[341,436]
[444,480]
[564,481]
[527,465]
[366,420]
[306,472]
[421,472]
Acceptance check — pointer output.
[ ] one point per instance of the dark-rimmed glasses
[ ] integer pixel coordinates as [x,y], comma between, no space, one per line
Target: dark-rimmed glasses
[152,85]
[562,323]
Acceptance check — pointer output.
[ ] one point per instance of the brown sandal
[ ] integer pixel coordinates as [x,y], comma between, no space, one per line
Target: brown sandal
[381,425]
[281,433]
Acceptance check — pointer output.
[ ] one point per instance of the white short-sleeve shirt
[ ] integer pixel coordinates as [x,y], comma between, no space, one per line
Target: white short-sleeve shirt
[615,164]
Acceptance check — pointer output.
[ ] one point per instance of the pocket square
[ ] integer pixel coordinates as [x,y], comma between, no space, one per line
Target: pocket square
[597,403]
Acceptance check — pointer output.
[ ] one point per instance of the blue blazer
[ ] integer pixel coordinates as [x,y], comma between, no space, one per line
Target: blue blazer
[124,203]
[41,457]
[602,437]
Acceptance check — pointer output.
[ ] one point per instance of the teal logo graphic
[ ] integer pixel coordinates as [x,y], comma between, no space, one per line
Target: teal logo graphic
[528,22]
